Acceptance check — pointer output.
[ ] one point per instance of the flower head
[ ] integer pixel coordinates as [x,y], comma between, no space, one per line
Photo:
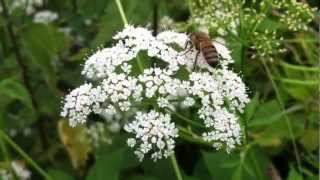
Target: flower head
[217,93]
[154,134]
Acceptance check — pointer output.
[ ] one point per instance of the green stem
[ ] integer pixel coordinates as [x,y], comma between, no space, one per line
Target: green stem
[122,14]
[187,135]
[186,119]
[125,22]
[299,68]
[4,152]
[289,126]
[175,167]
[15,146]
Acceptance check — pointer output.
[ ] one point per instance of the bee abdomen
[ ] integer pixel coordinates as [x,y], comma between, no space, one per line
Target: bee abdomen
[210,53]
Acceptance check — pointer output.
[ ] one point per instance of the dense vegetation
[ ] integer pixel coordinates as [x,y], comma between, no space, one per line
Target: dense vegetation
[43,48]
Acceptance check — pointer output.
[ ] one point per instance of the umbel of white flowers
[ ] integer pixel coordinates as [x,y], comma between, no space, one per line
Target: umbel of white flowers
[115,87]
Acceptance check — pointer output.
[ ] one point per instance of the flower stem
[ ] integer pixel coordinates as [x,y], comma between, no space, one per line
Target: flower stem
[175,167]
[122,14]
[279,99]
[125,23]
[186,119]
[15,146]
[187,135]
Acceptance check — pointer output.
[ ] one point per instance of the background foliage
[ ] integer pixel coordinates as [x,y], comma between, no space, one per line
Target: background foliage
[40,64]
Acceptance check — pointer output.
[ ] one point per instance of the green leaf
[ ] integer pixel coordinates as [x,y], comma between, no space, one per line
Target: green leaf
[60,175]
[42,43]
[78,148]
[246,165]
[107,166]
[140,177]
[251,107]
[14,89]
[153,169]
[266,114]
[294,175]
[310,140]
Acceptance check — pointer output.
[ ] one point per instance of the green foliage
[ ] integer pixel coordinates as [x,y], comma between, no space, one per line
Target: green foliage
[14,89]
[248,164]
[107,165]
[275,46]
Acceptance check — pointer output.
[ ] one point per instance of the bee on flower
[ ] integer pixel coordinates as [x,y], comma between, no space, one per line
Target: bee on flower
[151,94]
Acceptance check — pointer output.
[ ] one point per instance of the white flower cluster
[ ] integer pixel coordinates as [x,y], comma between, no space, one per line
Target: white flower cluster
[45,17]
[223,16]
[120,87]
[154,132]
[220,15]
[97,133]
[297,15]
[267,44]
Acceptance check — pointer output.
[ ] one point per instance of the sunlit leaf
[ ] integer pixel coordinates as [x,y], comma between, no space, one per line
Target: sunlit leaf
[310,140]
[76,143]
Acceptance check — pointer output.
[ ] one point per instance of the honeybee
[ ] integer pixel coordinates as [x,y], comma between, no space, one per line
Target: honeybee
[203,44]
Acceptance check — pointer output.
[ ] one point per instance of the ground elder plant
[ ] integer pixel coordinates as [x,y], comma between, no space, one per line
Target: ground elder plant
[240,18]
[119,82]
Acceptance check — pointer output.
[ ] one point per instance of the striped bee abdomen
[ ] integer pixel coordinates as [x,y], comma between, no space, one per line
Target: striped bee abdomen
[209,52]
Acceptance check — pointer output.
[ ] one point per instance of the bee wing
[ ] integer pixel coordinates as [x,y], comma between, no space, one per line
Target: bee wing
[222,50]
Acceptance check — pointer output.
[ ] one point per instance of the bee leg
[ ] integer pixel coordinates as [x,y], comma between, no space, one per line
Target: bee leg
[195,61]
[186,44]
[186,47]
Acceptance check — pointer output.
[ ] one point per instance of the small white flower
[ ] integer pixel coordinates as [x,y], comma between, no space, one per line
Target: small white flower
[188,102]
[45,16]
[118,91]
[20,170]
[97,134]
[77,105]
[225,129]
[163,102]
[131,142]
[153,133]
